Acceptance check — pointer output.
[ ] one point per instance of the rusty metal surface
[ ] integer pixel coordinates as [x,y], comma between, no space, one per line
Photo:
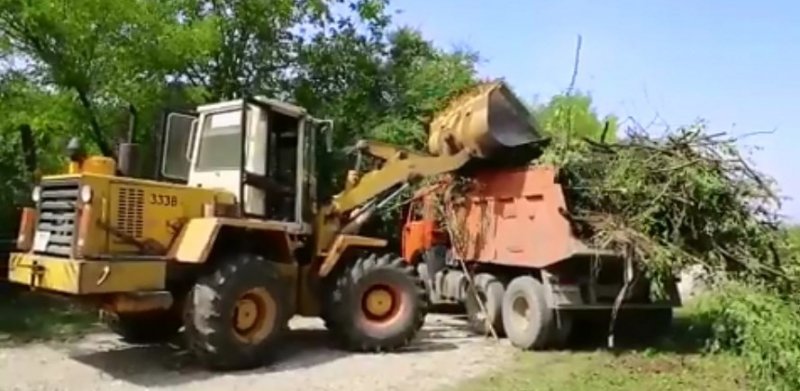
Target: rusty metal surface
[514,219]
[487,121]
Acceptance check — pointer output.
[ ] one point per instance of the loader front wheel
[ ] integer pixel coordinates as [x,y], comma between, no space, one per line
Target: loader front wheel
[235,315]
[382,304]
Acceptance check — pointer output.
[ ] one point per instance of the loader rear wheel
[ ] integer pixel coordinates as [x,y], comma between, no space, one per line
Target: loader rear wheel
[235,315]
[144,328]
[489,291]
[528,321]
[381,304]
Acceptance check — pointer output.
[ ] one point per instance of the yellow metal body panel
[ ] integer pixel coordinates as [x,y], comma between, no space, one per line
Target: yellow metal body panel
[100,165]
[342,243]
[86,277]
[308,303]
[402,166]
[195,240]
[198,236]
[484,120]
[290,274]
[137,216]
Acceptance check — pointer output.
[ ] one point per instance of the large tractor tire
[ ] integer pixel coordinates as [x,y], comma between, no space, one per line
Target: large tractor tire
[145,328]
[236,315]
[489,290]
[528,321]
[379,304]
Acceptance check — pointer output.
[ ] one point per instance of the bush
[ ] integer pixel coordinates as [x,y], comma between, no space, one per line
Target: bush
[758,325]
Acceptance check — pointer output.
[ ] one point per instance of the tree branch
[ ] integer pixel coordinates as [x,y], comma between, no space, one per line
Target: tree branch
[97,131]
[575,65]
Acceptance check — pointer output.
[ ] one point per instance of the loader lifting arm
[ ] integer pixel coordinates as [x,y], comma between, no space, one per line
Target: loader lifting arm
[353,207]
[485,123]
[401,165]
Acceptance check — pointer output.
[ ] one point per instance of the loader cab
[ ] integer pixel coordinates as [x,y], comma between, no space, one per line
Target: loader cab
[261,150]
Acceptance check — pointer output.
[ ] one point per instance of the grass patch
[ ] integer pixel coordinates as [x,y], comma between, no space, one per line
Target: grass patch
[679,361]
[27,317]
[591,371]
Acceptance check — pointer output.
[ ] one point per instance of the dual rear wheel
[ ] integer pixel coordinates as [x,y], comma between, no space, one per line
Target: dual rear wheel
[518,311]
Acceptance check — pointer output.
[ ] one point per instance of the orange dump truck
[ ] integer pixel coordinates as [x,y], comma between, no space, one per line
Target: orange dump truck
[536,280]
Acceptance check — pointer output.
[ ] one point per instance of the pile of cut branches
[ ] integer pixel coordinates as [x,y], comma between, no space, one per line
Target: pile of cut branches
[686,198]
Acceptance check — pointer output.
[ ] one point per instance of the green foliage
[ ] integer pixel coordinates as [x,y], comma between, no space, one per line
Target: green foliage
[28,317]
[101,55]
[760,326]
[685,199]
[573,117]
[72,69]
[613,371]
[789,251]
[380,90]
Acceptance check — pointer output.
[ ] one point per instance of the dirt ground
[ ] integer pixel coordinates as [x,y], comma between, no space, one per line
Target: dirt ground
[443,355]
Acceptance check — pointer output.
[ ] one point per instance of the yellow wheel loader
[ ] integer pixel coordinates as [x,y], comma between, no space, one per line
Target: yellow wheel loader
[231,241]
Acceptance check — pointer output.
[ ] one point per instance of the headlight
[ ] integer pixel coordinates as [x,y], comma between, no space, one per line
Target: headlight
[36,195]
[86,193]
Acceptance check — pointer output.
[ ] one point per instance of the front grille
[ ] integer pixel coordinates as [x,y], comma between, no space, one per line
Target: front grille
[57,216]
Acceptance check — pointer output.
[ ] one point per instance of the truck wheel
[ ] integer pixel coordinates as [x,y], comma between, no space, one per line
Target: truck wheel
[381,304]
[235,316]
[527,319]
[562,329]
[490,291]
[144,328]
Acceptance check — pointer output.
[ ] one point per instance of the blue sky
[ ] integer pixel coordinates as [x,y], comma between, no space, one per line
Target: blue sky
[734,63]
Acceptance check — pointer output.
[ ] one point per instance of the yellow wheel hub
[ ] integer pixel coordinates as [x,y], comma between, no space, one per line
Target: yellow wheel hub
[254,315]
[379,302]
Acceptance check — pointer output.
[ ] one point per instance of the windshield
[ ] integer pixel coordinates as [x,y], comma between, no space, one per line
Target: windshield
[220,142]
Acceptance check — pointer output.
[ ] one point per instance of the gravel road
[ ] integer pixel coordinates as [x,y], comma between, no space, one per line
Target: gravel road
[443,355]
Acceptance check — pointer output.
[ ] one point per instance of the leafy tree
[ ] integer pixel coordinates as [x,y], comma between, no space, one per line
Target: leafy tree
[102,55]
[572,116]
[72,68]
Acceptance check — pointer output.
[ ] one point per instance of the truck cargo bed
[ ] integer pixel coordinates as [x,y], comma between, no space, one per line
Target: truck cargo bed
[515,217]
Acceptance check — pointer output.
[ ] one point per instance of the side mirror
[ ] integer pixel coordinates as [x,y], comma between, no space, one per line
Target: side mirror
[326,127]
[178,135]
[329,137]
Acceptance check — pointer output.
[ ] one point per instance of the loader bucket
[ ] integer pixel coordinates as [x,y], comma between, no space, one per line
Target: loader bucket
[488,121]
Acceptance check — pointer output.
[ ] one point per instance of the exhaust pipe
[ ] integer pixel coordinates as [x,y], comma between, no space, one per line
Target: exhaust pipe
[128,151]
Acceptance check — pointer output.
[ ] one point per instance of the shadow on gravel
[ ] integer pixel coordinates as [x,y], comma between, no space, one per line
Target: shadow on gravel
[170,365]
